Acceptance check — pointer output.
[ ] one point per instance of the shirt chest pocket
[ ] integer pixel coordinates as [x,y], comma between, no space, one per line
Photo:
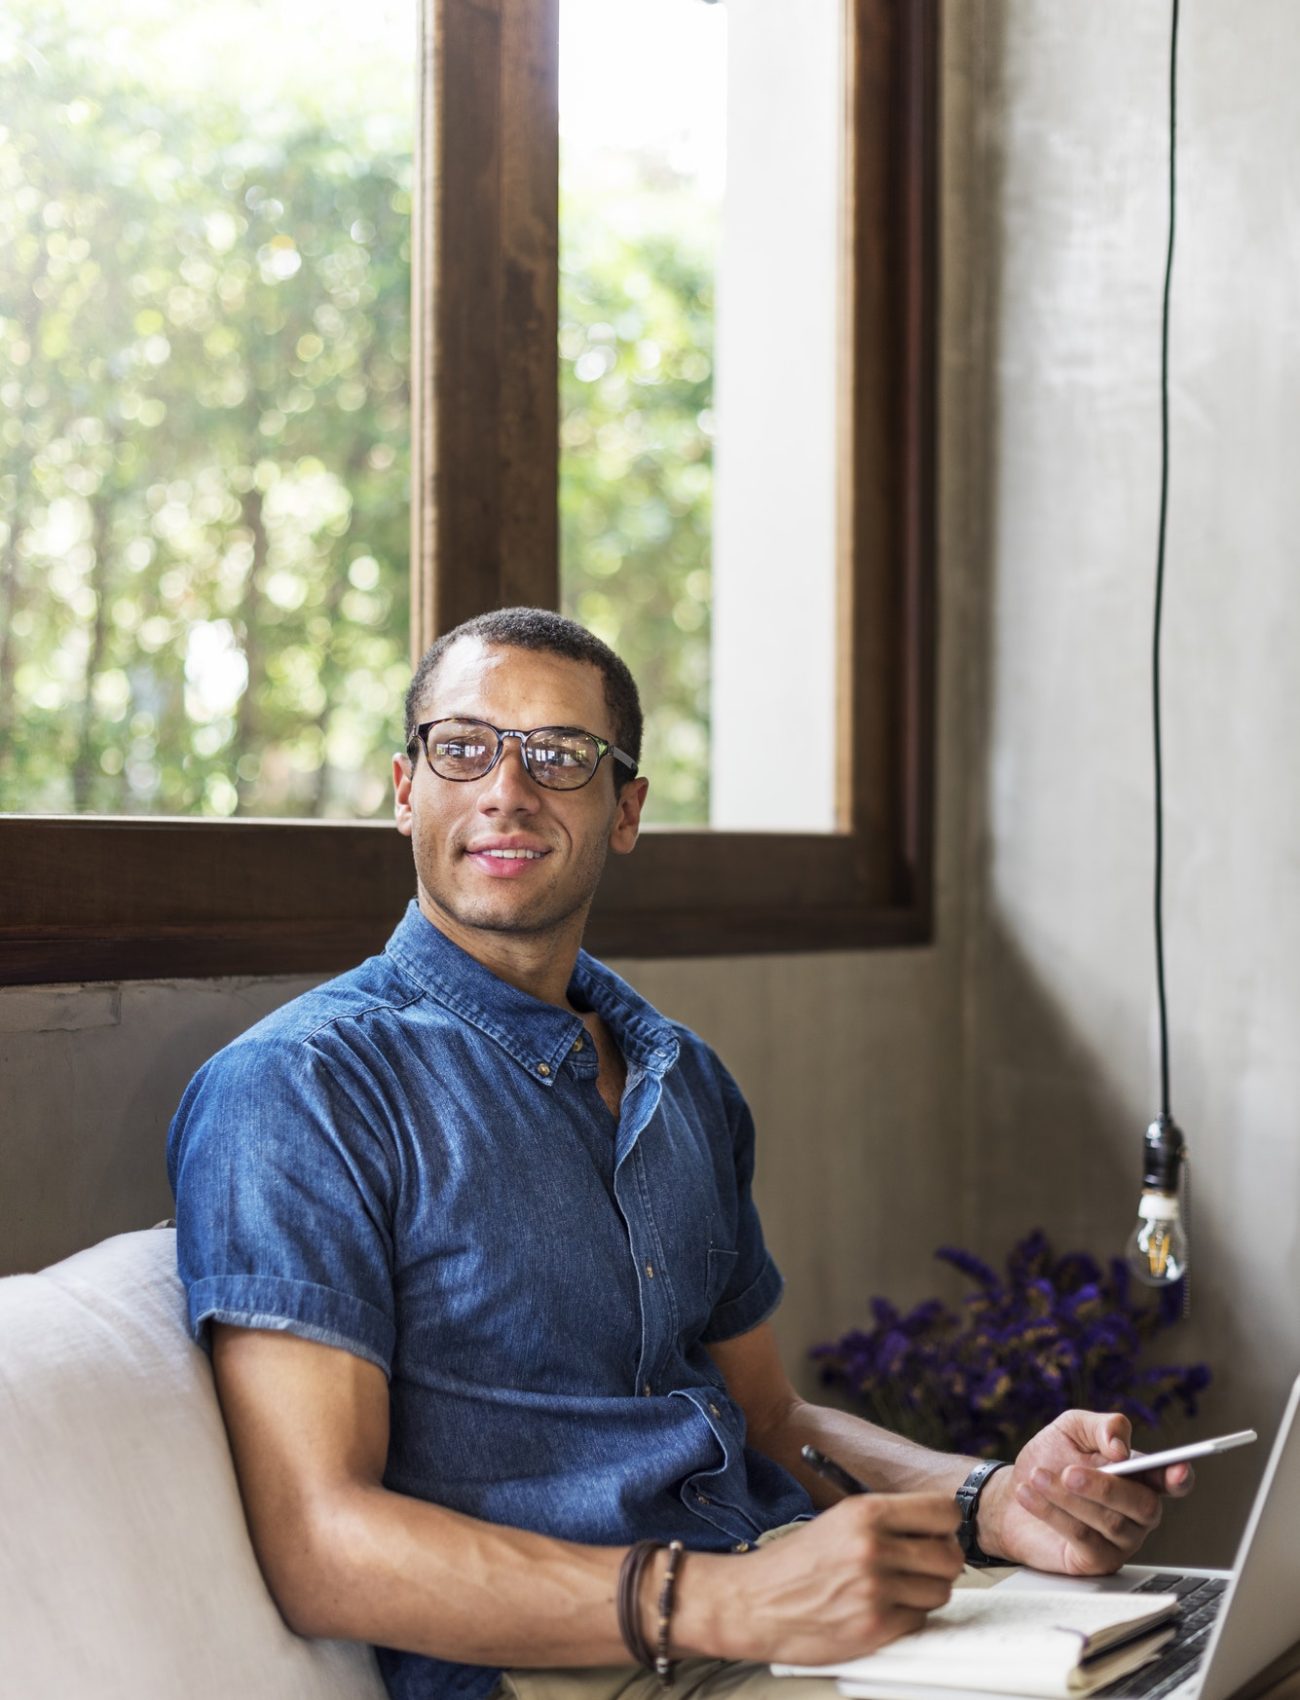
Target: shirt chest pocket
[700,1279]
[700,1264]
[689,1192]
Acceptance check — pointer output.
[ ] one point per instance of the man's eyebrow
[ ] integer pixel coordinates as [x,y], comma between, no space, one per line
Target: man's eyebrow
[542,725]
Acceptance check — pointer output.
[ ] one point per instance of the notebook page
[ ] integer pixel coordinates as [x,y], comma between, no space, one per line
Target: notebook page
[983,1638]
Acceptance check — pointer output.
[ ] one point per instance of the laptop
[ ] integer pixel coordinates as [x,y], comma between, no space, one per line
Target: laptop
[1232,1624]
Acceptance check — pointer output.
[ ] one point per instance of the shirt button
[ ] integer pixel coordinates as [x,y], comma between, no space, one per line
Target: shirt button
[577,1044]
[714,1409]
[650,1270]
[542,1068]
[645,1391]
[702,1498]
[741,1546]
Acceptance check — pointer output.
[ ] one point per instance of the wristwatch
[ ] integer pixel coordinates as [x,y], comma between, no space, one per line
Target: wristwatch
[968,1503]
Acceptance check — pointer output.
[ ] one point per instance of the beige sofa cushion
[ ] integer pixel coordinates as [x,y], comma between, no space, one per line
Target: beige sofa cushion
[125,1564]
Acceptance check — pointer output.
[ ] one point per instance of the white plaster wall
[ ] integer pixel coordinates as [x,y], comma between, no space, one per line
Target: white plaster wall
[1059,984]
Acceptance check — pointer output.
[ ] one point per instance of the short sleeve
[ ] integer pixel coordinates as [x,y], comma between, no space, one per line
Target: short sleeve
[284,1182]
[751,1288]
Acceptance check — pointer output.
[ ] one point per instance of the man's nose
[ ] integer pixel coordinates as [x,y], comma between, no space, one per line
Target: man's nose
[508,787]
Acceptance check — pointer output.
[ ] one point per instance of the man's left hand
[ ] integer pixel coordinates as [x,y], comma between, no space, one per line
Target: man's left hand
[1055,1510]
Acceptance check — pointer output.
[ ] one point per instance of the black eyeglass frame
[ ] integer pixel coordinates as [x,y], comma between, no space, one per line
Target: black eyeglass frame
[603,748]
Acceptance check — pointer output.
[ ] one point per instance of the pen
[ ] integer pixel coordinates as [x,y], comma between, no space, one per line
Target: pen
[832,1471]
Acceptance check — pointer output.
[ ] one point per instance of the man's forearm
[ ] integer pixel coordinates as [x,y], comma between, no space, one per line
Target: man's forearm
[885,1462]
[399,1572]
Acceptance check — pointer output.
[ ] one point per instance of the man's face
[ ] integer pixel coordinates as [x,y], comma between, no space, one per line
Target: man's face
[456,826]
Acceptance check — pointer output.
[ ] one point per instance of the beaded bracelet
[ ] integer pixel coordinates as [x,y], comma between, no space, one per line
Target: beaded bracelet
[663,1664]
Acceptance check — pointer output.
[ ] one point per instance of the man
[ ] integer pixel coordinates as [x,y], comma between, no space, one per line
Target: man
[471,1228]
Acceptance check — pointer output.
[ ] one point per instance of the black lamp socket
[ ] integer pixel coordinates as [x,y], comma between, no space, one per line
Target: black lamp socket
[1163,1150]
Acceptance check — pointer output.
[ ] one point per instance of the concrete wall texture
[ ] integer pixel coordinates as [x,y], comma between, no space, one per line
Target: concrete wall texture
[1068,120]
[1002,1077]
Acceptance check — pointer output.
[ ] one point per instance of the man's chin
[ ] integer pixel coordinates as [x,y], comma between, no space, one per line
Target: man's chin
[506,914]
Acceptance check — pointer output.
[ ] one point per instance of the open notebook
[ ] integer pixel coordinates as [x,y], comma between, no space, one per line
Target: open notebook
[1054,1644]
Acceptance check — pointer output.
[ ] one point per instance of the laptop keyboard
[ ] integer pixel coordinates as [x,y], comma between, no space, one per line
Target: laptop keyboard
[1199,1597]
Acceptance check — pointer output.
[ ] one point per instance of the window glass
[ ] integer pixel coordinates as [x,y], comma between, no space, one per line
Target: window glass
[642,166]
[700,305]
[204,437]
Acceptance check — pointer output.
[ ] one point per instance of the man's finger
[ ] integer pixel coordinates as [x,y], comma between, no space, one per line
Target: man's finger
[1080,1535]
[1179,1479]
[1121,1521]
[911,1513]
[925,1555]
[1116,1436]
[1131,1496]
[899,1621]
[1176,1480]
[1109,1435]
[920,1593]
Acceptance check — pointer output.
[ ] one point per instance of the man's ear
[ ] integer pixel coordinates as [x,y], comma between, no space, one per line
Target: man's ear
[627,816]
[403,779]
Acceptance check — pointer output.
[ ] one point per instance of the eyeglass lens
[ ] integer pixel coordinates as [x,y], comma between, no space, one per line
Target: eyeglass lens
[466,749]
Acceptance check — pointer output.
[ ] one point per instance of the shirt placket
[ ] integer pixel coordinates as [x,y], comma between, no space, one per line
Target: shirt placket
[641,1097]
[704,1493]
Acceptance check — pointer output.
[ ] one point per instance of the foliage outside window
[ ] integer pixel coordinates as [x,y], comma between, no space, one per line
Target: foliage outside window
[636,465]
[205,356]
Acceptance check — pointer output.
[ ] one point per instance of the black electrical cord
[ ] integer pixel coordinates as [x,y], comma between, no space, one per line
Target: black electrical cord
[1160,584]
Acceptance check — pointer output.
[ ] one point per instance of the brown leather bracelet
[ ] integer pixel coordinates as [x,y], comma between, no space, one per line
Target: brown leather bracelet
[628,1598]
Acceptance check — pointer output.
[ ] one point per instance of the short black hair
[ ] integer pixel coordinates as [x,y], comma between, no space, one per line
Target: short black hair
[556,634]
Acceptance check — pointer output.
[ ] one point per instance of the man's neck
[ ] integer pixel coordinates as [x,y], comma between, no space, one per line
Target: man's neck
[540,964]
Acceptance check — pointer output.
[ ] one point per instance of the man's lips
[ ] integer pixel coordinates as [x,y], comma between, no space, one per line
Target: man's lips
[507,860]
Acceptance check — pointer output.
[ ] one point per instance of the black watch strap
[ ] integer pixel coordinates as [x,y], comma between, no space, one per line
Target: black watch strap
[968,1502]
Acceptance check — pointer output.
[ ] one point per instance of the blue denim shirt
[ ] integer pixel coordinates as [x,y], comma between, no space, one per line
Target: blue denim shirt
[413,1162]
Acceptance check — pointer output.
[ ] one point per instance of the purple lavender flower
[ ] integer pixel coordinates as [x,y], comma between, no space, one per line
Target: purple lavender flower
[969,1264]
[1050,1334]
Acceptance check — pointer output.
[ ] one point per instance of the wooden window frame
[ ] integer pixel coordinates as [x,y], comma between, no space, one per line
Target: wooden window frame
[88,898]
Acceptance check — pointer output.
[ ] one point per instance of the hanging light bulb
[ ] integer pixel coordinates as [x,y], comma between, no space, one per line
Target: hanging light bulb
[1157,1247]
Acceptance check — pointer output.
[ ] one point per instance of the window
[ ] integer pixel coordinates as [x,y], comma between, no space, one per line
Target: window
[89,898]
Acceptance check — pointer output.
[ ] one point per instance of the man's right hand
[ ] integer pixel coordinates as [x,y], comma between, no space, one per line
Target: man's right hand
[859,1575]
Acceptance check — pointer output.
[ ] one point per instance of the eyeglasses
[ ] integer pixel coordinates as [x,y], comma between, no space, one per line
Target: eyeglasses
[563,758]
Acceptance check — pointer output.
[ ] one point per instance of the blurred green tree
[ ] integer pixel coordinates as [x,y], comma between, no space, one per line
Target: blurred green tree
[204,445]
[636,460]
[205,348]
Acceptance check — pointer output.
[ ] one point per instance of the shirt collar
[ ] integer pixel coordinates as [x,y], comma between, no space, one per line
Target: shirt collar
[537,1035]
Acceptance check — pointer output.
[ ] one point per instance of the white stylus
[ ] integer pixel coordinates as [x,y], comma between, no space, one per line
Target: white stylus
[1143,1461]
